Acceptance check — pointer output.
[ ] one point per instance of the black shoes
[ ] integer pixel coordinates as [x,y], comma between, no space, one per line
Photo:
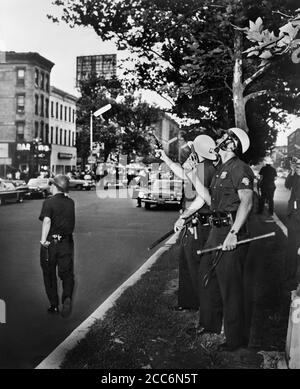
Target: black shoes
[67,307]
[53,309]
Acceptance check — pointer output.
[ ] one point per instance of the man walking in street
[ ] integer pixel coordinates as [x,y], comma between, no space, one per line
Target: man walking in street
[267,186]
[57,246]
[225,271]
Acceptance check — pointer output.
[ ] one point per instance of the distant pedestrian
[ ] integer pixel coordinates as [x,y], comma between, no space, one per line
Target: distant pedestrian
[57,246]
[18,175]
[267,186]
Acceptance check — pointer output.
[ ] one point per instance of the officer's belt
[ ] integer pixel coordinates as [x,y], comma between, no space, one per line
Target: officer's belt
[58,237]
[222,219]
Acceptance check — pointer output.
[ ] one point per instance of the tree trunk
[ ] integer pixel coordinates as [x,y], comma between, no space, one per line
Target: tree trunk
[237,85]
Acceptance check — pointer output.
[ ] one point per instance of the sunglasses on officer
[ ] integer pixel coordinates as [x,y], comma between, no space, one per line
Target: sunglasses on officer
[226,138]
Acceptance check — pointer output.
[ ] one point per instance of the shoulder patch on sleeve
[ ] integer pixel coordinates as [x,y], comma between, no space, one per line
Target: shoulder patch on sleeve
[246,181]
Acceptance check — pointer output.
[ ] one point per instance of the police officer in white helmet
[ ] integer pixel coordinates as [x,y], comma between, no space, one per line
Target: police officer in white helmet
[231,194]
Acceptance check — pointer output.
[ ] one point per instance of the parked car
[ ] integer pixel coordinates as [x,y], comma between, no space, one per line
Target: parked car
[162,192]
[38,187]
[78,183]
[10,192]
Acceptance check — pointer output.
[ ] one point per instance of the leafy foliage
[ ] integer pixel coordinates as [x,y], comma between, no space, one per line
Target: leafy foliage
[126,126]
[185,50]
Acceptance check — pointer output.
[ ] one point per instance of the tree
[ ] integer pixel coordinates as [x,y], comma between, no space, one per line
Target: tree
[126,124]
[192,52]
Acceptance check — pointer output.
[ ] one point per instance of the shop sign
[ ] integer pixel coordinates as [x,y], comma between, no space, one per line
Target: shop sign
[65,156]
[23,146]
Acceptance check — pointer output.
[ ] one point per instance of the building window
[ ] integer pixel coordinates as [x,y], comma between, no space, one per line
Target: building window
[73,115]
[47,108]
[42,80]
[21,77]
[52,109]
[65,137]
[42,132]
[36,107]
[61,112]
[56,135]
[73,138]
[56,111]
[42,106]
[66,110]
[51,135]
[36,77]
[70,114]
[21,103]
[69,138]
[20,131]
[47,83]
[60,136]
[36,129]
[46,133]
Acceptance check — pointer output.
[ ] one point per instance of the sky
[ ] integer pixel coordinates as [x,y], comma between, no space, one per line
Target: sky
[24,27]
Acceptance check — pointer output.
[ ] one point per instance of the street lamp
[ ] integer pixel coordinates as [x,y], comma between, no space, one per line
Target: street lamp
[97,113]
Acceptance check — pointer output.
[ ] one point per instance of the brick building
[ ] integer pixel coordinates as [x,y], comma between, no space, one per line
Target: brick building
[28,122]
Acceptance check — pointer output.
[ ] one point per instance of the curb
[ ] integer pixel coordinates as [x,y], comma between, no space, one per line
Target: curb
[55,359]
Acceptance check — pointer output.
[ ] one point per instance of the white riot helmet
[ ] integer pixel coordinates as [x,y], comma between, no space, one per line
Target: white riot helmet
[241,136]
[204,146]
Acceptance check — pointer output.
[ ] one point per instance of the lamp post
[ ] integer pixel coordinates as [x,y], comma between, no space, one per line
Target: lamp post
[97,113]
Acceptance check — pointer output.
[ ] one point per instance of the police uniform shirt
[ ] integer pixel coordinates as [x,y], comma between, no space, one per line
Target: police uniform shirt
[205,172]
[61,210]
[268,174]
[293,183]
[230,177]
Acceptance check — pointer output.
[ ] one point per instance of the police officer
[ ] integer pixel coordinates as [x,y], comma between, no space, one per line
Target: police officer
[194,235]
[267,186]
[231,201]
[57,246]
[293,183]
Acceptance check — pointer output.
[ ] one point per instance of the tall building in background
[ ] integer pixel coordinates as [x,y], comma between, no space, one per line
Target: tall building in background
[167,129]
[294,144]
[24,111]
[37,122]
[62,134]
[104,66]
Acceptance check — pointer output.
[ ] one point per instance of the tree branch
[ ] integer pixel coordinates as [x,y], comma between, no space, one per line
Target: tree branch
[255,75]
[227,86]
[255,94]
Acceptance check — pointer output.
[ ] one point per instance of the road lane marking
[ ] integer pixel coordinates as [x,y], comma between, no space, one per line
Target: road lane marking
[280,224]
[55,359]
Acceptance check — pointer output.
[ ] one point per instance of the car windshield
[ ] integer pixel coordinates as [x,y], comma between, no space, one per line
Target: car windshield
[37,181]
[165,185]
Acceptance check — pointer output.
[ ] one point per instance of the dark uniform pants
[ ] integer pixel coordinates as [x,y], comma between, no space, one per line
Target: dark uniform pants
[188,289]
[58,256]
[225,295]
[293,259]
[267,194]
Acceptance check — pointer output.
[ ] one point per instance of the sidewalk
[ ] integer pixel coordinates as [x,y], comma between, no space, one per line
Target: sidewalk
[141,331]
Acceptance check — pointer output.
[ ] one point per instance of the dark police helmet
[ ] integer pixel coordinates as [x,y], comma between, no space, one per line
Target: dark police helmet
[61,182]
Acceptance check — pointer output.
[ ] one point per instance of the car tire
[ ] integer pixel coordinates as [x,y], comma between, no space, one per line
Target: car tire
[88,188]
[147,206]
[80,187]
[2,201]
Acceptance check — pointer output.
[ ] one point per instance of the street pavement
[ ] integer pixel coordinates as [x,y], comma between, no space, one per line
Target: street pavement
[111,240]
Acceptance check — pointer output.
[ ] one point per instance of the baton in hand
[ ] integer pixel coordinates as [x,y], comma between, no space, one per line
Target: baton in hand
[205,251]
[161,239]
